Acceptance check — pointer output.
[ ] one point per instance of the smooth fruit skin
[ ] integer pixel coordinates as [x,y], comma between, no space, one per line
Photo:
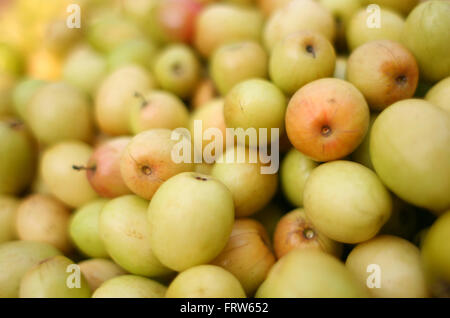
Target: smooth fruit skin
[157,109]
[269,6]
[111,102]
[84,68]
[241,24]
[147,162]
[439,94]
[327,119]
[384,71]
[103,168]
[295,170]
[257,104]
[139,52]
[307,273]
[251,189]
[191,217]
[346,201]
[362,153]
[177,70]
[16,258]
[402,6]
[49,279]
[294,230]
[436,256]
[59,112]
[301,58]
[65,183]
[130,286]
[205,281]
[84,229]
[248,254]
[359,32]
[42,218]
[409,150]
[22,94]
[98,270]
[125,232]
[400,270]
[236,62]
[8,212]
[17,156]
[298,15]
[205,91]
[426,35]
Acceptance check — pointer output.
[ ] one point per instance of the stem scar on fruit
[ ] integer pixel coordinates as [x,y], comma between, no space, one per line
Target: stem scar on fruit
[401,80]
[310,50]
[79,168]
[326,131]
[146,170]
[144,101]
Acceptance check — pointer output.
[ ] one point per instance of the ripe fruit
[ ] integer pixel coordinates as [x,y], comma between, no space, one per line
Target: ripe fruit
[177,70]
[236,62]
[426,35]
[84,229]
[358,208]
[138,51]
[114,93]
[65,183]
[203,93]
[362,153]
[124,230]
[130,286]
[363,27]
[157,109]
[44,219]
[398,261]
[247,255]
[257,104]
[147,162]
[301,58]
[191,217]
[439,94]
[436,256]
[98,270]
[295,169]
[103,168]
[402,6]
[8,212]
[174,20]
[269,6]
[241,24]
[384,71]
[327,119]
[16,157]
[50,279]
[205,281]
[44,65]
[298,15]
[59,112]
[417,174]
[22,94]
[295,230]
[309,274]
[251,189]
[210,115]
[84,68]
[16,258]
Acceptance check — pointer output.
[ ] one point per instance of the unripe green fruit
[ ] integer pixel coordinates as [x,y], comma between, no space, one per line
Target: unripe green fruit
[84,229]
[125,231]
[130,286]
[16,258]
[236,62]
[22,94]
[205,281]
[51,278]
[139,51]
[59,112]
[191,217]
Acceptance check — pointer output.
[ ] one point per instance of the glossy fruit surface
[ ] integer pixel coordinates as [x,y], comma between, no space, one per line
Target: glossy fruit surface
[130,286]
